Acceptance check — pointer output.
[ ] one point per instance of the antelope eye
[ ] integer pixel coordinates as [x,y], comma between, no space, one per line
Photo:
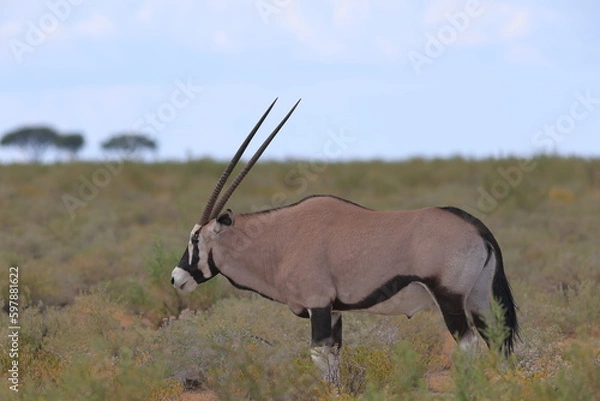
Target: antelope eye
[195,239]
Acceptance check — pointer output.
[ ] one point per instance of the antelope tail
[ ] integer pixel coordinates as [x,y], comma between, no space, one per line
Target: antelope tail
[503,295]
[500,287]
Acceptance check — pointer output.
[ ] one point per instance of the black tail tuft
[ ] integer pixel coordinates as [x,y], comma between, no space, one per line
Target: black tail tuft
[502,293]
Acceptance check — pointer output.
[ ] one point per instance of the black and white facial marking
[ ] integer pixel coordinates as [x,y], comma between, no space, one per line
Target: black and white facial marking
[195,266]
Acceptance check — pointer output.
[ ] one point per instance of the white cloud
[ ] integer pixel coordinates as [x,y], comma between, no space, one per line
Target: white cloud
[366,31]
[505,22]
[497,21]
[310,32]
[347,13]
[386,47]
[518,24]
[9,29]
[222,40]
[96,25]
[145,13]
[524,54]
[437,11]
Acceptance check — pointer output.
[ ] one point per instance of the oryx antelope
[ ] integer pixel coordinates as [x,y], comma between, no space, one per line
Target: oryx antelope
[324,255]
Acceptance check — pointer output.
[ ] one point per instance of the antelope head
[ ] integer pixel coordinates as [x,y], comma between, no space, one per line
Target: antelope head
[196,265]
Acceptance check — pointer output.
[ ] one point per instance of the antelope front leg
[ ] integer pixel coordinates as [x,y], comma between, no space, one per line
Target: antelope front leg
[326,327]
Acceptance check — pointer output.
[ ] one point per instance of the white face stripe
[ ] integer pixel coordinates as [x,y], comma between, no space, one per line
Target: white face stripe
[203,264]
[190,245]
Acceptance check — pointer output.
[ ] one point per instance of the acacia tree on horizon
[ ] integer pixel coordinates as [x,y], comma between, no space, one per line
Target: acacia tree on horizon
[70,143]
[129,145]
[33,140]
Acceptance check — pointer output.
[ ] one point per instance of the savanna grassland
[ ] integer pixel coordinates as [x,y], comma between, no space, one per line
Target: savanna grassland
[99,319]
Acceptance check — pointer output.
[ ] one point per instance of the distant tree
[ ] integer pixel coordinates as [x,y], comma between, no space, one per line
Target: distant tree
[34,140]
[71,143]
[129,145]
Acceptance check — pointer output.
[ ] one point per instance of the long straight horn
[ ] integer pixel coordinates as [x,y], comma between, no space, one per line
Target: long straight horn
[227,172]
[248,166]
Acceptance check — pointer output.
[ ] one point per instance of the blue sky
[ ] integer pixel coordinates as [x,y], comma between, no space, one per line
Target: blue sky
[379,79]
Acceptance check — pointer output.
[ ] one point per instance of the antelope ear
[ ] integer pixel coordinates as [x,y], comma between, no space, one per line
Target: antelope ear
[224,220]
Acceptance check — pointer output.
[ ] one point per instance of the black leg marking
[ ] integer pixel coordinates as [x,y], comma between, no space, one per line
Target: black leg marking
[452,307]
[320,323]
[456,322]
[336,329]
[481,326]
[454,317]
[303,313]
[326,342]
